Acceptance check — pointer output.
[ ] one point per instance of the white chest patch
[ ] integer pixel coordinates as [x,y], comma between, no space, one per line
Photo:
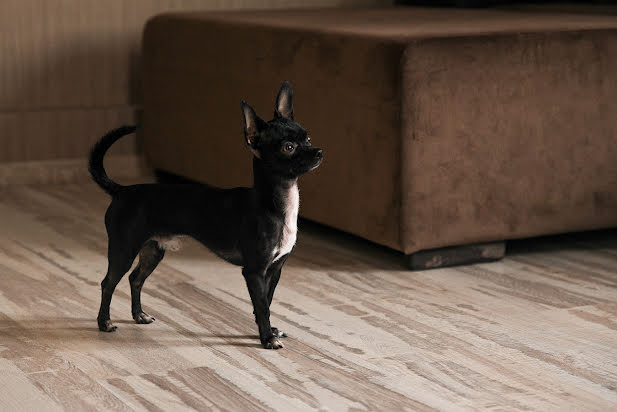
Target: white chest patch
[291,201]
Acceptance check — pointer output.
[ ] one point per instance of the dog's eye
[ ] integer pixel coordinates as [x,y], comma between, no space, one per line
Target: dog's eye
[308,140]
[289,147]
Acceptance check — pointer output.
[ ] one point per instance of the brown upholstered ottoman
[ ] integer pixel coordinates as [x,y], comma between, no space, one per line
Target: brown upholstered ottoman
[439,127]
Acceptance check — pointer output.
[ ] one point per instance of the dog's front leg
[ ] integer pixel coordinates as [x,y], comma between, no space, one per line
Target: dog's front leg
[273,275]
[256,283]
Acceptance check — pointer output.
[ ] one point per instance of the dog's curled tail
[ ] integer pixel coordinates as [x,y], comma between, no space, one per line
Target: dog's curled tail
[95,166]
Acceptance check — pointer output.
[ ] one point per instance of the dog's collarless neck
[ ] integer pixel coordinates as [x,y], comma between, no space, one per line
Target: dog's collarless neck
[274,192]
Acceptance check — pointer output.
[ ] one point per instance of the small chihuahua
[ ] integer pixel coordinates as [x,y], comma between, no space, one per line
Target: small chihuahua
[250,227]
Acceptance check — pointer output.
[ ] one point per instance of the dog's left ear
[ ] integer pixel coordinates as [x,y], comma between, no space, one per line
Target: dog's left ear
[253,125]
[284,102]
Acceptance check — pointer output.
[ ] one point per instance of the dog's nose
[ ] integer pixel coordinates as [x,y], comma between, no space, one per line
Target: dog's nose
[319,153]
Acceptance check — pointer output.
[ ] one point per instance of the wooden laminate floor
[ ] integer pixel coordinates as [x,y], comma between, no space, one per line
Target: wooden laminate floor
[536,331]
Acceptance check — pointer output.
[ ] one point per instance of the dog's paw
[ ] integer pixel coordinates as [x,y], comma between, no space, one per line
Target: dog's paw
[278,333]
[273,343]
[143,318]
[107,326]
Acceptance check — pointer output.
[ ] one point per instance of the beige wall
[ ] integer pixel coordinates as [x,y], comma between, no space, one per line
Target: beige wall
[69,69]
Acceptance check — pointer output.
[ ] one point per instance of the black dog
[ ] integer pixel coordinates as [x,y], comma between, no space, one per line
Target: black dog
[250,227]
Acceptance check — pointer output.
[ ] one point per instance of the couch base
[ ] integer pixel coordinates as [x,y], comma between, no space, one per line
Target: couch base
[456,255]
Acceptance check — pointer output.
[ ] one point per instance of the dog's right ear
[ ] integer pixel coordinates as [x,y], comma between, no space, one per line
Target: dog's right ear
[284,106]
[253,125]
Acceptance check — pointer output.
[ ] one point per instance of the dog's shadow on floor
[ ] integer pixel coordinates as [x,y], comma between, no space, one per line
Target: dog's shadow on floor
[64,333]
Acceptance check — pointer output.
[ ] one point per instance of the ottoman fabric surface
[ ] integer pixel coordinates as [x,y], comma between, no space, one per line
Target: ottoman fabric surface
[439,127]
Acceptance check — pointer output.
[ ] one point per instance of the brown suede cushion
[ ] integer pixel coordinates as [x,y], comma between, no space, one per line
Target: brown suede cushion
[509,137]
[439,127]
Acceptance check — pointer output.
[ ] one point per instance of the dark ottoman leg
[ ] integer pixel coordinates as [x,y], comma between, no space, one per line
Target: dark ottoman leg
[457,255]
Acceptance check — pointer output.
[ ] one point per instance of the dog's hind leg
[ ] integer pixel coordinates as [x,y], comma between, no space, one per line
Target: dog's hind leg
[149,257]
[120,261]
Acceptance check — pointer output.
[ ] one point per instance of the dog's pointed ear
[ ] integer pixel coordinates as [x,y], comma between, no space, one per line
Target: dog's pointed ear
[284,102]
[253,125]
